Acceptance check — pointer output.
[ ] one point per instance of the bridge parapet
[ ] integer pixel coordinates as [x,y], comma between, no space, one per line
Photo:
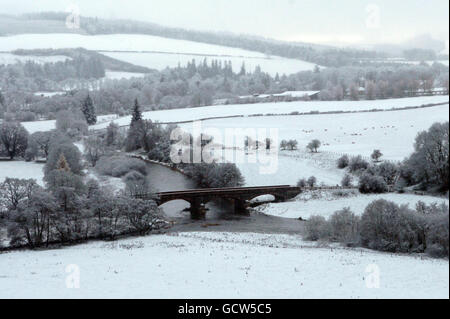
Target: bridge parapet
[239,195]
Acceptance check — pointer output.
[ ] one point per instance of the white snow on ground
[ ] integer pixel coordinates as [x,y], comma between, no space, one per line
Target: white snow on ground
[179,115]
[160,61]
[156,52]
[115,75]
[9,58]
[44,126]
[39,126]
[117,42]
[22,170]
[325,204]
[219,265]
[392,132]
[288,170]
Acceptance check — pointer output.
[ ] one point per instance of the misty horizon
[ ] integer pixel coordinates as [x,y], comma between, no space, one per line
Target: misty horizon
[355,24]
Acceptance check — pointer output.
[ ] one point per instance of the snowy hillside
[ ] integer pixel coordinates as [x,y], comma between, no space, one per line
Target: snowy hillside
[356,133]
[219,265]
[179,115]
[155,52]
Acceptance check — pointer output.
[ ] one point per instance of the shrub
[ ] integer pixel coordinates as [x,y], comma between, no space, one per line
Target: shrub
[118,166]
[357,163]
[312,181]
[386,226]
[133,176]
[429,164]
[436,228]
[388,171]
[343,162]
[317,228]
[345,226]
[136,183]
[341,193]
[376,155]
[302,183]
[372,184]
[346,181]
[215,175]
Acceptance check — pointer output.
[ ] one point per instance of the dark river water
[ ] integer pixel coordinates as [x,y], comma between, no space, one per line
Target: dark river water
[220,215]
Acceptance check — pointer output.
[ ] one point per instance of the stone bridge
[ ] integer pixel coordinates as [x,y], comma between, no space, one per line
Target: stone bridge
[239,196]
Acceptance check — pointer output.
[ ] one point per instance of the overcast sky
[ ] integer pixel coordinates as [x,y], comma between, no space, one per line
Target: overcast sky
[319,21]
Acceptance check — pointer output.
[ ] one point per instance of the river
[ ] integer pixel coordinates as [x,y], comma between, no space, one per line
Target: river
[220,215]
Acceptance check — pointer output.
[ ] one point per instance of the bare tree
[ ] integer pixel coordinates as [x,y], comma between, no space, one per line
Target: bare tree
[14,138]
[314,145]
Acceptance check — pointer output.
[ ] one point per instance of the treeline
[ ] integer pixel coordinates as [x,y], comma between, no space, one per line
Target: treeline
[79,68]
[386,226]
[70,208]
[199,84]
[322,55]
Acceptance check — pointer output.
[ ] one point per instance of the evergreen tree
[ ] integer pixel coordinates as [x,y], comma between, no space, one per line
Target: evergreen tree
[62,164]
[137,129]
[89,111]
[2,105]
[2,99]
[137,114]
[243,70]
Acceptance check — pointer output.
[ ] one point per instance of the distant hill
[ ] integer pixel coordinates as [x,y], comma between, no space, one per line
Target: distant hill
[108,62]
[53,22]
[10,25]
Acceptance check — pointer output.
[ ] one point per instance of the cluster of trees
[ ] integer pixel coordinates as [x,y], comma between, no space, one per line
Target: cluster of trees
[290,145]
[310,182]
[78,68]
[200,83]
[374,82]
[155,141]
[15,141]
[427,168]
[374,177]
[387,226]
[70,209]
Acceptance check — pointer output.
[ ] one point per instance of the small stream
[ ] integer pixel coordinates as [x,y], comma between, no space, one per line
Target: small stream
[220,215]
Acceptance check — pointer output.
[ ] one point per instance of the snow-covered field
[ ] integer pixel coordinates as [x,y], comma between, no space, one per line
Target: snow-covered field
[392,132]
[9,58]
[44,126]
[115,75]
[324,203]
[219,265]
[117,42]
[155,52]
[289,169]
[22,170]
[179,115]
[160,61]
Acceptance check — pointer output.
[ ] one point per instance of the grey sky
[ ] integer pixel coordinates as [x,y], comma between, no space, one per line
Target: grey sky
[320,21]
